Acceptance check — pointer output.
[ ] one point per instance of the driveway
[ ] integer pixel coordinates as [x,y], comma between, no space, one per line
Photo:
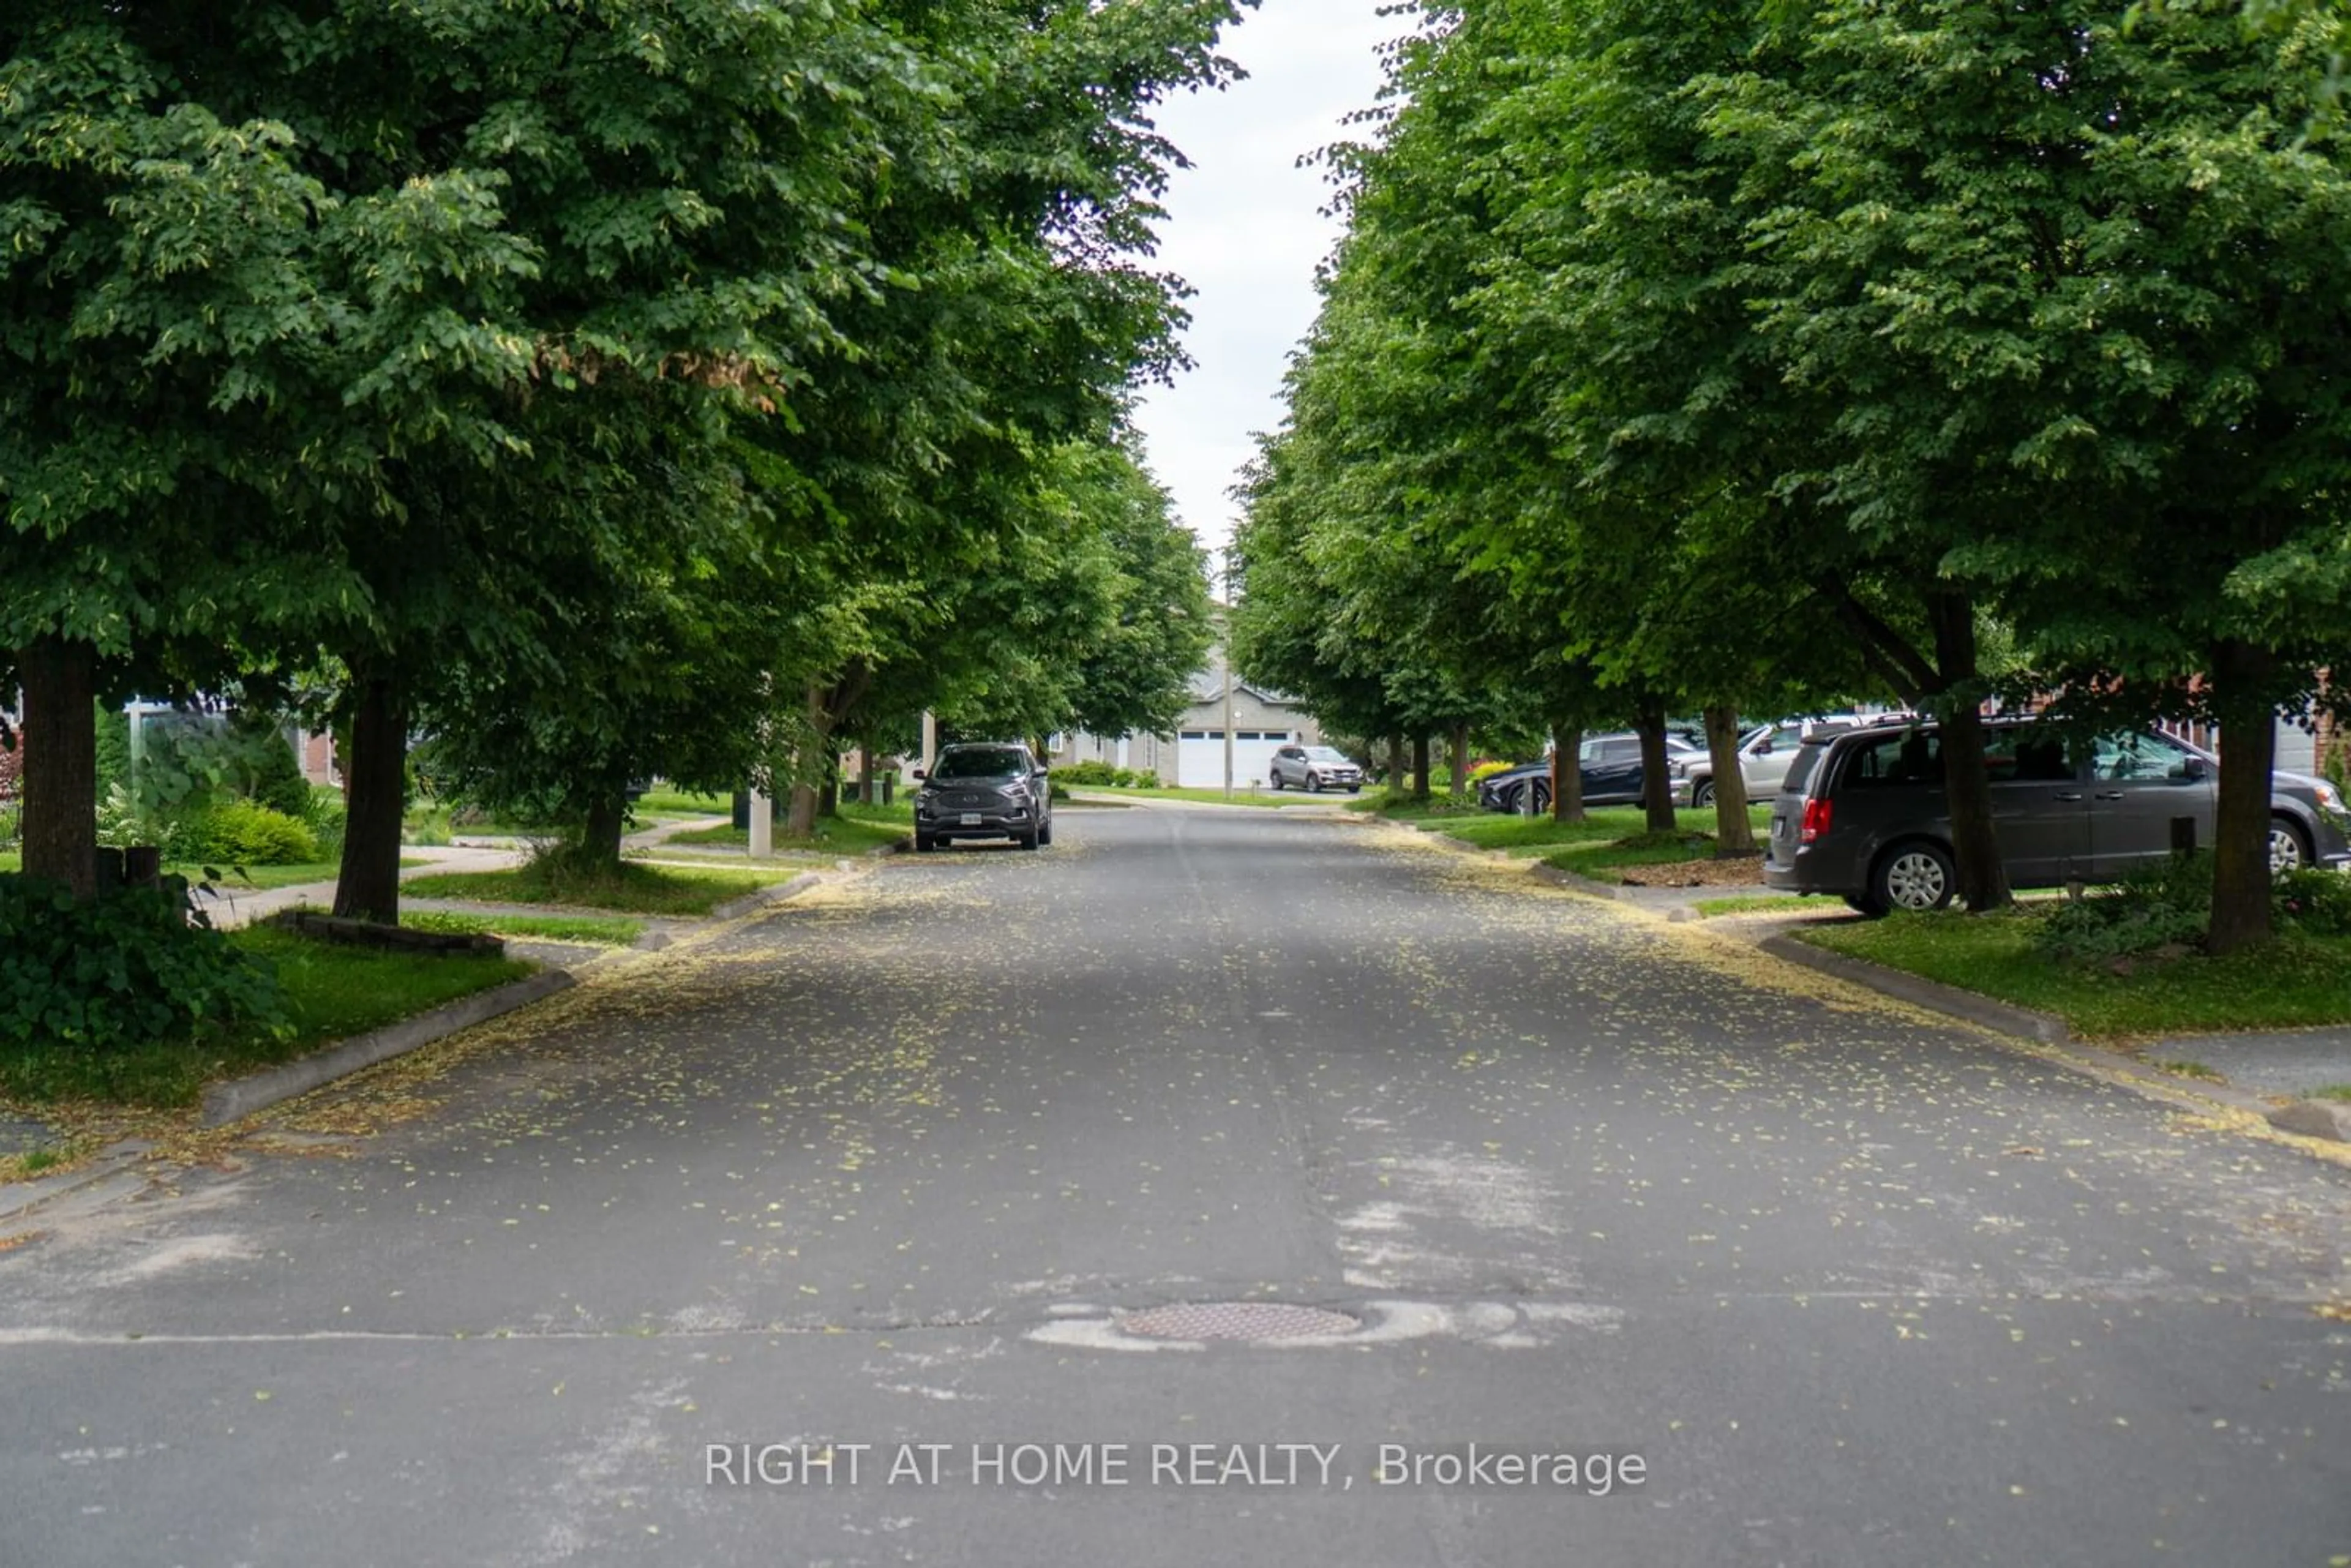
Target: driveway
[986,1149]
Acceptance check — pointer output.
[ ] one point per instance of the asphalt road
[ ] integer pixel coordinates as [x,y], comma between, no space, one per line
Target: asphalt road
[1764,1271]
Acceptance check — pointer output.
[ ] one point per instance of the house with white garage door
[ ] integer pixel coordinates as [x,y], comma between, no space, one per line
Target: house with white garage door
[1194,757]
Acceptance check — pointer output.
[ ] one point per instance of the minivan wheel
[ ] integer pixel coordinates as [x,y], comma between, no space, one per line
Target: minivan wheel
[1915,876]
[2287,851]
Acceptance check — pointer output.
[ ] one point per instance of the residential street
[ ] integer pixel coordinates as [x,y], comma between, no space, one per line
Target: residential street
[1857,1286]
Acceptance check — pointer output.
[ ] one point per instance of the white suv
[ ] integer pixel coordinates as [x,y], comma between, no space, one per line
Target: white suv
[1764,754]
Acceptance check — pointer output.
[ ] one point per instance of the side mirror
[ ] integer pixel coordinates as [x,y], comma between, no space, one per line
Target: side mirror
[919,773]
[2194,768]
[1763,747]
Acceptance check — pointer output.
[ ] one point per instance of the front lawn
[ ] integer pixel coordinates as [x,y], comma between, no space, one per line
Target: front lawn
[1755,903]
[332,990]
[601,930]
[842,836]
[1502,831]
[678,803]
[256,878]
[635,888]
[2297,981]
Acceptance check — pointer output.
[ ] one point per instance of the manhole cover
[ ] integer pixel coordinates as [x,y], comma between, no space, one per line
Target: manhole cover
[1237,1320]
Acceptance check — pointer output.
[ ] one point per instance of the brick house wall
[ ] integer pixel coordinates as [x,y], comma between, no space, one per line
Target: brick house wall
[12,774]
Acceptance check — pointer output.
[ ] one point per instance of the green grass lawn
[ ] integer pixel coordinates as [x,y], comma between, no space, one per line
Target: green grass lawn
[852,833]
[604,931]
[679,803]
[1402,807]
[1498,831]
[332,990]
[2296,981]
[256,878]
[1753,903]
[636,889]
[1640,849]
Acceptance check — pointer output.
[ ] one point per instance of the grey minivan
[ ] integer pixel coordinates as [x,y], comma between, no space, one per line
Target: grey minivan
[1861,813]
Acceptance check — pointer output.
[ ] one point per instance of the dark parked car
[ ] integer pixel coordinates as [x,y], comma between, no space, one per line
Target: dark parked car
[1315,769]
[1611,766]
[994,789]
[1861,813]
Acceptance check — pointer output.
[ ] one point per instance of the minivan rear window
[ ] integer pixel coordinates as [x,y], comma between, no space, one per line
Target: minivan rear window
[1808,757]
[1905,756]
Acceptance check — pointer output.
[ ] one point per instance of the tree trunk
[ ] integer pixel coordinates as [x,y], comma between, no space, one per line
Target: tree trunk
[1460,762]
[799,819]
[1657,789]
[600,843]
[1966,785]
[828,799]
[865,774]
[375,787]
[1567,773]
[2240,829]
[60,757]
[1399,775]
[1734,835]
[1420,768]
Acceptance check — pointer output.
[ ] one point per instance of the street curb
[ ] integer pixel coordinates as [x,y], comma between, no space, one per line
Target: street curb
[18,1198]
[734,907]
[2313,1119]
[1932,995]
[240,1097]
[1543,871]
[2305,1118]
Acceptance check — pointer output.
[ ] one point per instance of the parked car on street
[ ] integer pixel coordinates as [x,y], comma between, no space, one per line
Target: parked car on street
[1610,764]
[1764,754]
[1313,769]
[1861,813]
[992,789]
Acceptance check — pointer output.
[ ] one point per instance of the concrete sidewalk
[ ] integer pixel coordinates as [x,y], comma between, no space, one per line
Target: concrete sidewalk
[2285,1062]
[229,907]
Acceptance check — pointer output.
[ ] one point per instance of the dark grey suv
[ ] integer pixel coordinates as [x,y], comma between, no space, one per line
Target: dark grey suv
[1861,813]
[987,790]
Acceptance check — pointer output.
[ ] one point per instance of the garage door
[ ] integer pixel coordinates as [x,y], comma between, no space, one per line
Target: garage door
[1200,756]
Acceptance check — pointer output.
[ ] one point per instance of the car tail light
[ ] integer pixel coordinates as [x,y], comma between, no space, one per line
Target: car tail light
[1816,818]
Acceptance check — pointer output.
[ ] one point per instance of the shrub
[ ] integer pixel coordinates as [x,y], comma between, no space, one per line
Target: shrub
[1484,770]
[245,832]
[2170,902]
[272,772]
[129,968]
[1091,774]
[2314,901]
[324,816]
[12,825]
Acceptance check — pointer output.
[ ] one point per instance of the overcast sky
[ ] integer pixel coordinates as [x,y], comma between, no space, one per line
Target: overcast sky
[1243,229]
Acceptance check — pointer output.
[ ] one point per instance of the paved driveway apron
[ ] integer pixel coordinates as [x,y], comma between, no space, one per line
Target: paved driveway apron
[910,1164]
